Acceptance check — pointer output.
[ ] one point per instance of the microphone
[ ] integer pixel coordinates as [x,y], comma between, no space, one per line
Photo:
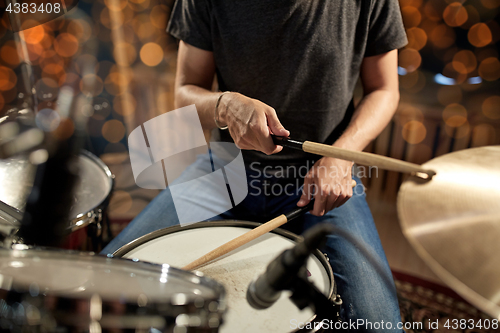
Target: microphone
[284,269]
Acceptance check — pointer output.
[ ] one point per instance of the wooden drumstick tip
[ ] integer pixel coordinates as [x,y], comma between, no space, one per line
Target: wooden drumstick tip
[237,242]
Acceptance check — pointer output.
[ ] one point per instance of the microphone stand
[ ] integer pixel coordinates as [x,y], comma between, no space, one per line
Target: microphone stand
[305,293]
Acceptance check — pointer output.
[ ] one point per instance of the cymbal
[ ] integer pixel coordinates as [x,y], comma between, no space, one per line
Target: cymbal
[453,222]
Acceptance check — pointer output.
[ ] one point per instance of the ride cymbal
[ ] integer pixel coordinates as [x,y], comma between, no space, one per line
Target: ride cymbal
[453,222]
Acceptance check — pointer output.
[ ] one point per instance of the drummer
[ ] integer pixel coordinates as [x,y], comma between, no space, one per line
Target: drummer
[290,67]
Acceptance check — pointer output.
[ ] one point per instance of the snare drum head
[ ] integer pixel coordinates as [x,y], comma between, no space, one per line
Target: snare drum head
[17,176]
[235,271]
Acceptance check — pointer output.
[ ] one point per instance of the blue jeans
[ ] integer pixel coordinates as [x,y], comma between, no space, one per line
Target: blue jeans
[361,271]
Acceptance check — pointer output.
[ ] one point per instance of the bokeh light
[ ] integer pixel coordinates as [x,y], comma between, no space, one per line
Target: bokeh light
[414,132]
[455,14]
[151,54]
[455,115]
[490,4]
[464,62]
[34,35]
[410,59]
[159,16]
[489,69]
[80,29]
[66,45]
[8,53]
[417,38]
[480,35]
[116,5]
[8,78]
[407,112]
[442,36]
[91,85]
[113,130]
[491,107]
[411,16]
[125,54]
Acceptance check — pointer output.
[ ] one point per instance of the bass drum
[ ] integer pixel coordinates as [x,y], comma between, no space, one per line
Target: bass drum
[179,246]
[90,200]
[66,291]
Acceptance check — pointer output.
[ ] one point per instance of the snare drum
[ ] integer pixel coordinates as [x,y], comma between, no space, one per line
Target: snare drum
[67,291]
[178,246]
[91,197]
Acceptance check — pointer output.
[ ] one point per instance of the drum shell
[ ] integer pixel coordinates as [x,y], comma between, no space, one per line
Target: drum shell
[89,208]
[232,223]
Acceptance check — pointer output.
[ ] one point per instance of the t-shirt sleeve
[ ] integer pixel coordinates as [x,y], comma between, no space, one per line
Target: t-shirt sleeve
[190,22]
[386,28]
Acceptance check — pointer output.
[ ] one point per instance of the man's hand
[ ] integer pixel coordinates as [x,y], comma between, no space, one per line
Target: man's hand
[330,182]
[250,123]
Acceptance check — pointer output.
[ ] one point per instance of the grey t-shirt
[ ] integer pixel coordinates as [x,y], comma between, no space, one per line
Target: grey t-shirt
[301,57]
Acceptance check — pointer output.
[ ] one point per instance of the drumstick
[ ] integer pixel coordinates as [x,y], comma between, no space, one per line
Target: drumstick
[382,162]
[249,236]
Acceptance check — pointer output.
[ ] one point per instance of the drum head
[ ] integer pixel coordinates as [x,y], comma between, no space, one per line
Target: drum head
[17,176]
[74,278]
[94,186]
[178,246]
[83,275]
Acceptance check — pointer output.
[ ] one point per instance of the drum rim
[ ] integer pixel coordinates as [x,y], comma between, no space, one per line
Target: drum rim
[85,257]
[82,220]
[227,223]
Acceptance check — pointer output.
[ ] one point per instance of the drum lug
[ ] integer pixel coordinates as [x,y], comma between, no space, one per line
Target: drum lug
[326,257]
[98,223]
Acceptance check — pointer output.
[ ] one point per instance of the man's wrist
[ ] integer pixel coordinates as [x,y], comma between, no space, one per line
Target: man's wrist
[218,119]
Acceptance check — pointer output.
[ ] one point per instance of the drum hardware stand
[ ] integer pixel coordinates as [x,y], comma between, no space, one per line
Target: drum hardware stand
[305,293]
[49,203]
[95,231]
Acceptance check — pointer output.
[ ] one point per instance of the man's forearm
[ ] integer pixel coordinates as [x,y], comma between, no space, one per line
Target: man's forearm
[203,99]
[369,119]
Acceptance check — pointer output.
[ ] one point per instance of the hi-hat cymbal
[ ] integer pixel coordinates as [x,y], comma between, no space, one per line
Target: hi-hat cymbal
[453,222]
